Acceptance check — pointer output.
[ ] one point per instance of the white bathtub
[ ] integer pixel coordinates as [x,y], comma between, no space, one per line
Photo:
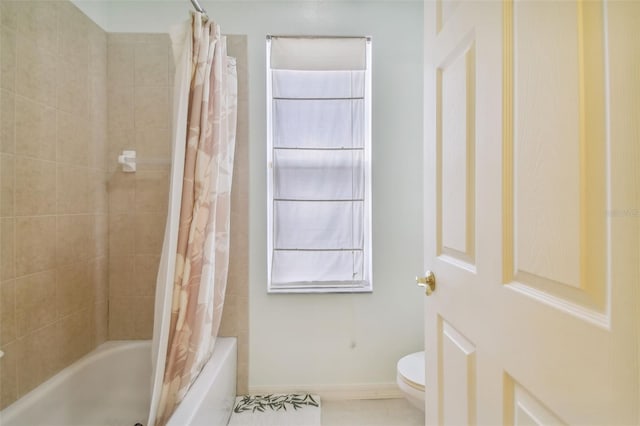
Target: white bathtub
[110,387]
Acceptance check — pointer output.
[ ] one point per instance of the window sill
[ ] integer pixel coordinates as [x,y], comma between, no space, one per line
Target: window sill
[327,287]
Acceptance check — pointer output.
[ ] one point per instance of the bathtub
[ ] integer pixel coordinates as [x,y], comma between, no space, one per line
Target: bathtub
[110,386]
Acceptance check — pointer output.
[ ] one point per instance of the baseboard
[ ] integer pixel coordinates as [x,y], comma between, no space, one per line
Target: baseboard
[336,392]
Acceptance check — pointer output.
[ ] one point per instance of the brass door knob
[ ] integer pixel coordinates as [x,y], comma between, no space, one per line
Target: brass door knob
[428,282]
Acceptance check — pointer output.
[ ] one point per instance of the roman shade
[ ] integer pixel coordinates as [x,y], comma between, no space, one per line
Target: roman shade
[319,161]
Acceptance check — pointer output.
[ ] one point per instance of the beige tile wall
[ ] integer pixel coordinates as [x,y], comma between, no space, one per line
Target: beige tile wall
[139,90]
[140,85]
[53,199]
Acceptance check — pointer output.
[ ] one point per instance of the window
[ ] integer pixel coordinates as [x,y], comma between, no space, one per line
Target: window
[319,164]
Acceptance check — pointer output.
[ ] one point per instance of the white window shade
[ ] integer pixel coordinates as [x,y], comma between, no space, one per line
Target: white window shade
[318,53]
[323,175]
[318,225]
[326,269]
[326,123]
[318,84]
[319,151]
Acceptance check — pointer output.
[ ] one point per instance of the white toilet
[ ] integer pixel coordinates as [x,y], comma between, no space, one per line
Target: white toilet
[410,378]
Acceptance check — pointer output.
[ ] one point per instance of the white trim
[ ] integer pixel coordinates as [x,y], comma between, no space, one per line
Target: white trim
[336,392]
[269,97]
[318,289]
[368,170]
[366,284]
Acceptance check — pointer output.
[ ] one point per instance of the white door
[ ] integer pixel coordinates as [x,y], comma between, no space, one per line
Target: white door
[532,214]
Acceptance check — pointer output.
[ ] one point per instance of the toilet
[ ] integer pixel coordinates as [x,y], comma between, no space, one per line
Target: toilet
[410,378]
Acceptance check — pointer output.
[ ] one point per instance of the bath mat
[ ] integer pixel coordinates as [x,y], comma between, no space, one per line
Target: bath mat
[276,410]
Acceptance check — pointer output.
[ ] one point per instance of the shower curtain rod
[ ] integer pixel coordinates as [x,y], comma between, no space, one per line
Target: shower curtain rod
[197,7]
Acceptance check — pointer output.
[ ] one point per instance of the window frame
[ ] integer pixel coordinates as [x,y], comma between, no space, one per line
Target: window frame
[366,284]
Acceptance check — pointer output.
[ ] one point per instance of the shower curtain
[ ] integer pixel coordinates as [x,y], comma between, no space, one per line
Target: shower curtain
[192,278]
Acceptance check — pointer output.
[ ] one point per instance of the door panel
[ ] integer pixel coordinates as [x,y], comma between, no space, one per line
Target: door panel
[554,155]
[546,143]
[524,409]
[532,194]
[458,390]
[456,159]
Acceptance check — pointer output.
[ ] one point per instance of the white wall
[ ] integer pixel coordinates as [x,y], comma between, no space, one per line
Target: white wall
[331,340]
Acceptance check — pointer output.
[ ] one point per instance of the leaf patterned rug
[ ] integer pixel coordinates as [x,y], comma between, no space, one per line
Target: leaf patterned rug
[276,410]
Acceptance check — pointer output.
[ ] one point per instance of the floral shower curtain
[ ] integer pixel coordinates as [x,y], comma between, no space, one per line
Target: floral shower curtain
[192,278]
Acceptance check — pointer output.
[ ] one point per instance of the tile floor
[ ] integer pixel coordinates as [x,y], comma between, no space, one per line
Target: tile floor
[371,412]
